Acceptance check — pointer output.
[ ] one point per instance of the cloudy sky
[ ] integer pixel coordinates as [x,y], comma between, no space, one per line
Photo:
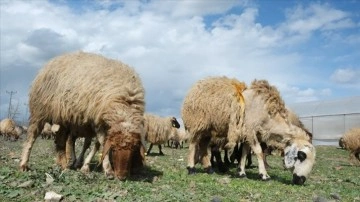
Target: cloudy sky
[308,49]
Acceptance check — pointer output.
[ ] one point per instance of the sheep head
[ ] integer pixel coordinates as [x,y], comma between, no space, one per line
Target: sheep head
[127,153]
[175,123]
[299,158]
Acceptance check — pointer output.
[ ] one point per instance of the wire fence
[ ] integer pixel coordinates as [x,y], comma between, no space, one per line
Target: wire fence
[327,129]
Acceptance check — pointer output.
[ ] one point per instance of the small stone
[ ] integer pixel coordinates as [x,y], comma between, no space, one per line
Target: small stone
[224,180]
[52,197]
[26,184]
[335,196]
[319,199]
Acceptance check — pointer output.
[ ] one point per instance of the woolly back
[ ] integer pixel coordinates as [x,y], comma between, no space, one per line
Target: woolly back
[210,102]
[271,96]
[83,87]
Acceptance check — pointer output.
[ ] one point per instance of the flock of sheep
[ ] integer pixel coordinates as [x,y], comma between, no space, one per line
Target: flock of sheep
[87,95]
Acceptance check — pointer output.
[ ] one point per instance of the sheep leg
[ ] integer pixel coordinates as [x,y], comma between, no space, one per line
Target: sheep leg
[244,151]
[204,151]
[354,156]
[80,159]
[259,154]
[191,158]
[215,152]
[249,159]
[150,147]
[106,161]
[226,158]
[160,152]
[70,150]
[31,137]
[85,168]
[60,144]
[357,154]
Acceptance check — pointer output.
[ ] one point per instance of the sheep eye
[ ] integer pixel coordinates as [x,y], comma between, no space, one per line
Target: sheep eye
[301,156]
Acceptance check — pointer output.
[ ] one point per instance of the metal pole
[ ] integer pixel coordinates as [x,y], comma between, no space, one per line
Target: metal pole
[9,109]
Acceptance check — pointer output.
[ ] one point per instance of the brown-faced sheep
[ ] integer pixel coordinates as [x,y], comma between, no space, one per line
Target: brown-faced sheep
[158,130]
[88,90]
[351,142]
[8,129]
[219,107]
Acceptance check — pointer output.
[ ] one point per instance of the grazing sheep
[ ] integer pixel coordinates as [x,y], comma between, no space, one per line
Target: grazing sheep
[20,130]
[351,142]
[219,107]
[181,137]
[49,131]
[64,93]
[8,129]
[158,130]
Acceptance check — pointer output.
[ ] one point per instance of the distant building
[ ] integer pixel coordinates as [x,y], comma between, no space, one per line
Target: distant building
[329,120]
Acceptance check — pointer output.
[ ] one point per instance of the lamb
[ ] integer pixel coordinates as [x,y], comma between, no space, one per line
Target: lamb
[64,93]
[158,130]
[8,129]
[220,107]
[351,142]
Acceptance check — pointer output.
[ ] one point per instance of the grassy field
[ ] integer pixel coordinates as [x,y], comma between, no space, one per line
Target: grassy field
[165,179]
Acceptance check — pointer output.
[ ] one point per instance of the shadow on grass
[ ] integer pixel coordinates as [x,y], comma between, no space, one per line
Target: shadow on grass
[146,174]
[155,154]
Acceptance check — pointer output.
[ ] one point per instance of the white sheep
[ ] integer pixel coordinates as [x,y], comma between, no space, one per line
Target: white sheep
[158,130]
[223,108]
[179,138]
[79,90]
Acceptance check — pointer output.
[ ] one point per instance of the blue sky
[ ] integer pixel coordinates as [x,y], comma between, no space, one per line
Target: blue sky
[308,49]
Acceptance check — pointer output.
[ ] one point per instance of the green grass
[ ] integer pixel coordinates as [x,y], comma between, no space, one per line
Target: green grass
[165,179]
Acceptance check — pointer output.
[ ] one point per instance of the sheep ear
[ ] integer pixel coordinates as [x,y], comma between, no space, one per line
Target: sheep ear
[290,157]
[106,149]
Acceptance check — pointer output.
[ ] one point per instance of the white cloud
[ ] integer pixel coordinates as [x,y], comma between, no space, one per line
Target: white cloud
[167,42]
[317,17]
[346,76]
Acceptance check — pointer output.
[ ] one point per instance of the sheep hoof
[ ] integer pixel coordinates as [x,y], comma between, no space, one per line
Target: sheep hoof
[264,177]
[242,175]
[85,169]
[209,170]
[24,168]
[109,176]
[191,171]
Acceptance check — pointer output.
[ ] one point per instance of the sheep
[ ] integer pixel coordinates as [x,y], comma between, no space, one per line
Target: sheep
[351,142]
[64,93]
[49,131]
[20,130]
[8,129]
[220,107]
[180,137]
[158,130]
